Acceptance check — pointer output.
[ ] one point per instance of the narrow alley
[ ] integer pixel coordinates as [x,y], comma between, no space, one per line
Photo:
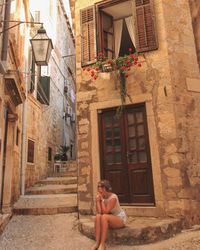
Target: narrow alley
[99,122]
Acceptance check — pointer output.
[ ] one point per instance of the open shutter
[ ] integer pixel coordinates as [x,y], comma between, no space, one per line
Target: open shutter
[146,33]
[107,34]
[88,36]
[43,90]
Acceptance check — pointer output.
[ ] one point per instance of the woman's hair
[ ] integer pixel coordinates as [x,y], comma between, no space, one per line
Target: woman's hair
[105,184]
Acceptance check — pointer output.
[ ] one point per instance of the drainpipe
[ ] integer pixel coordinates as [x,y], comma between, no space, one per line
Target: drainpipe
[24,134]
[24,131]
[5,34]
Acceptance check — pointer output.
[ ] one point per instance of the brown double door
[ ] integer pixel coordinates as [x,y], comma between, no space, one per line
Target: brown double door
[125,154]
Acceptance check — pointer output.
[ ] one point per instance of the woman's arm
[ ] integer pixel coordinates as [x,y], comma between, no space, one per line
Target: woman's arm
[98,204]
[106,208]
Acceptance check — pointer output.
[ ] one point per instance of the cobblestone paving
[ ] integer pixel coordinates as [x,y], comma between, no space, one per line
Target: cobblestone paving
[59,232]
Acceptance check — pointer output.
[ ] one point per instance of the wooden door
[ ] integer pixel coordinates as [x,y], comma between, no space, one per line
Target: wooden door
[125,155]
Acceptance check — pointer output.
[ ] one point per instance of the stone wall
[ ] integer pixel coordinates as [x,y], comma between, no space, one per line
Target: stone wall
[184,76]
[162,83]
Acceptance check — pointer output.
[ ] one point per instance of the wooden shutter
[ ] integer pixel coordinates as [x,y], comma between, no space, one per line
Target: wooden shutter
[88,36]
[107,34]
[43,90]
[146,33]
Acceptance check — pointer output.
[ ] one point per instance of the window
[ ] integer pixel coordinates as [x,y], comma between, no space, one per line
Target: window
[17,136]
[49,154]
[121,24]
[31,148]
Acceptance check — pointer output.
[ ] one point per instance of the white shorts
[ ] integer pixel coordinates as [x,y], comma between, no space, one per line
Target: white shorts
[122,215]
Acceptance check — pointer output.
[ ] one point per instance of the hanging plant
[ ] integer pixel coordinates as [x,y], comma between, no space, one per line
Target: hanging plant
[121,65]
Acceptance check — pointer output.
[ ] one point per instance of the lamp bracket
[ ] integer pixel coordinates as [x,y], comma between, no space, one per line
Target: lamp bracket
[17,24]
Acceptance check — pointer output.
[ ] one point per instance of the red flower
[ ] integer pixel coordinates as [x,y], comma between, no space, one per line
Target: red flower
[123,68]
[109,61]
[126,76]
[95,77]
[130,49]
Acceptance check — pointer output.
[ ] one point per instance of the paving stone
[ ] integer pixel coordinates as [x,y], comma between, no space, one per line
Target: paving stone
[60,232]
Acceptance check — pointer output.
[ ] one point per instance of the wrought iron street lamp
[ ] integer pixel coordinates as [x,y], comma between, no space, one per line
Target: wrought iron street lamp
[42,47]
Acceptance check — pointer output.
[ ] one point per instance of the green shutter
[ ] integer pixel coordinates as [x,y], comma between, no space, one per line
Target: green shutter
[43,90]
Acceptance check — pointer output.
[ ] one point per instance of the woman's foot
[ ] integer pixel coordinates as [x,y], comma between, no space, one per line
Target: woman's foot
[102,247]
[95,247]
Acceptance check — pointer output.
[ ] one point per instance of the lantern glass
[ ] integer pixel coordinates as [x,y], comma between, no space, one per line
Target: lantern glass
[42,47]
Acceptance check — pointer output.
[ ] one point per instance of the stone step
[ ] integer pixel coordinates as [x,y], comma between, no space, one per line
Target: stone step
[46,204]
[63,174]
[57,181]
[140,230]
[52,189]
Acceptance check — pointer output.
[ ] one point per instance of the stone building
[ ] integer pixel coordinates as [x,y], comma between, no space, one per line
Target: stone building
[151,154]
[37,104]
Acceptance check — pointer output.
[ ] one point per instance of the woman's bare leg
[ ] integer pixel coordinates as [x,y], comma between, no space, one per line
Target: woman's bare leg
[97,231]
[108,220]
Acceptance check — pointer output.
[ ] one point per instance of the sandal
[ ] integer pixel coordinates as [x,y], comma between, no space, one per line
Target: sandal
[102,247]
[95,247]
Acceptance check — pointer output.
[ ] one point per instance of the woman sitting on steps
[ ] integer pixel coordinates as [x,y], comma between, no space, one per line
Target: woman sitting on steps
[109,214]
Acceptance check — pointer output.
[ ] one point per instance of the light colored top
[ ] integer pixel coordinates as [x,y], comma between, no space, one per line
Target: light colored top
[117,209]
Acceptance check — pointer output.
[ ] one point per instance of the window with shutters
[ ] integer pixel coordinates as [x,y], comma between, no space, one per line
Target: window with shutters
[120,25]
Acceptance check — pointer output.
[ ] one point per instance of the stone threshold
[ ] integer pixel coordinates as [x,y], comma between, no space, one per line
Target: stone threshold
[138,231]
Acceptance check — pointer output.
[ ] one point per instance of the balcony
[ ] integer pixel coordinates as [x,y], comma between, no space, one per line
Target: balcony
[14,88]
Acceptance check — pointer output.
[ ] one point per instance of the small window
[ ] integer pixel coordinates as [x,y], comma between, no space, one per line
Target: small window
[49,154]
[31,148]
[17,136]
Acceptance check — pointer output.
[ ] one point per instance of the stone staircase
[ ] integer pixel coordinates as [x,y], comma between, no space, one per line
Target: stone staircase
[55,194]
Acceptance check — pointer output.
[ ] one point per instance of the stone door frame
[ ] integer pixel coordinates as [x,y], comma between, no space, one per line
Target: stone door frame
[159,209]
